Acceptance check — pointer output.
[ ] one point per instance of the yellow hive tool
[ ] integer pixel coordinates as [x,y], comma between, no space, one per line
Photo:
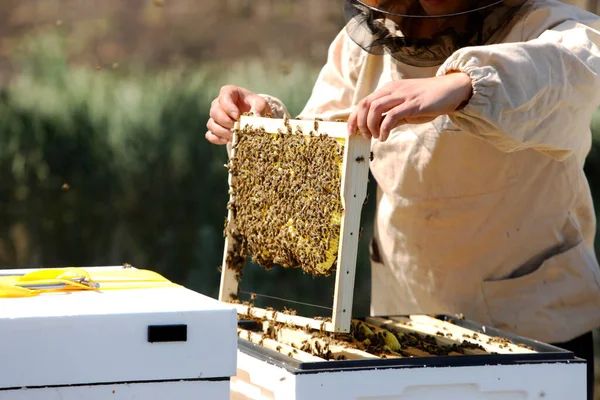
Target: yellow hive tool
[52,280]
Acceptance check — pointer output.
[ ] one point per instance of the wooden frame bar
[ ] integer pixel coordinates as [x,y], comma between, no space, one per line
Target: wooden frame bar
[293,337]
[402,328]
[283,348]
[490,343]
[294,320]
[453,334]
[444,333]
[353,191]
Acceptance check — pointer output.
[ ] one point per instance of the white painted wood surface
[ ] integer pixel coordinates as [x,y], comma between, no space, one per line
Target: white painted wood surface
[194,390]
[297,338]
[272,315]
[490,343]
[258,380]
[294,352]
[101,337]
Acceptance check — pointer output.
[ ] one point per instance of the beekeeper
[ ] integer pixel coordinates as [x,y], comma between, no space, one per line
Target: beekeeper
[479,114]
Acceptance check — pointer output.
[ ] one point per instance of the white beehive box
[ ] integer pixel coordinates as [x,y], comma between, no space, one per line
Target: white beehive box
[150,343]
[549,373]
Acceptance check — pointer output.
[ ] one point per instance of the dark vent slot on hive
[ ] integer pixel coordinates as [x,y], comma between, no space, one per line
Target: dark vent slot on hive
[167,333]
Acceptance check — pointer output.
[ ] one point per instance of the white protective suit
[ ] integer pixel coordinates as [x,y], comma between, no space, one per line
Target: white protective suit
[487,211]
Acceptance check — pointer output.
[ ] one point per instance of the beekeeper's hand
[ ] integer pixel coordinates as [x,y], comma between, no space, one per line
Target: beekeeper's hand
[411,101]
[226,109]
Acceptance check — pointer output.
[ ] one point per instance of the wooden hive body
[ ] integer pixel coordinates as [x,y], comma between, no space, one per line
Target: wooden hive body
[352,192]
[133,334]
[438,357]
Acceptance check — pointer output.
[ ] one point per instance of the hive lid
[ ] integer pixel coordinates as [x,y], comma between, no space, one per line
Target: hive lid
[112,336]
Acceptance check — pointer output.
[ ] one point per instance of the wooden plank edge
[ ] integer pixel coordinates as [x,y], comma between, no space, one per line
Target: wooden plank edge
[433,331]
[289,335]
[395,326]
[282,348]
[400,328]
[483,339]
[294,320]
[299,338]
[228,287]
[338,130]
[353,192]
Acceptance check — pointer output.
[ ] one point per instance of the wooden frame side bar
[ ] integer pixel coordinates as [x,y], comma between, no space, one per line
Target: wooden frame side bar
[228,288]
[293,320]
[354,191]
[336,130]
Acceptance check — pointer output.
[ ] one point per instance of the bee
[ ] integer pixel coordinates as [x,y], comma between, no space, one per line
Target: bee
[318,346]
[360,159]
[126,265]
[288,125]
[371,157]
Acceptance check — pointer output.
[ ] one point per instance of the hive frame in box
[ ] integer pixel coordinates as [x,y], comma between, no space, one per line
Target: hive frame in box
[543,371]
[355,169]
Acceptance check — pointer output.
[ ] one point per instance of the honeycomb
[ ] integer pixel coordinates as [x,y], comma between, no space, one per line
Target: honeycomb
[286,205]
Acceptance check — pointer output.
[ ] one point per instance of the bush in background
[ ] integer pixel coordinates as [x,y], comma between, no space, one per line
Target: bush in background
[107,166]
[102,167]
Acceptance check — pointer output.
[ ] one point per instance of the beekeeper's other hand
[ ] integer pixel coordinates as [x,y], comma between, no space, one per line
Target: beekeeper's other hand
[411,101]
[225,110]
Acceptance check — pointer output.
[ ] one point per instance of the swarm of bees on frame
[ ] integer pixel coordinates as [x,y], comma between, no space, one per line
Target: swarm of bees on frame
[286,202]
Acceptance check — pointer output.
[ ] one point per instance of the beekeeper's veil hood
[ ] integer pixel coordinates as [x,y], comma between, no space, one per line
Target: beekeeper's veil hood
[424,33]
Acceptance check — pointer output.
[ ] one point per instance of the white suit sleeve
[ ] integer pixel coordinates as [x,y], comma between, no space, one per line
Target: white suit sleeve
[534,94]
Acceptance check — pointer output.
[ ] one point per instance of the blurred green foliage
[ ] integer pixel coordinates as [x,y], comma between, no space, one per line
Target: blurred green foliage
[102,167]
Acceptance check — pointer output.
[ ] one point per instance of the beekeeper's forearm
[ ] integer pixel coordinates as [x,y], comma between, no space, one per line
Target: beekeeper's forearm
[539,94]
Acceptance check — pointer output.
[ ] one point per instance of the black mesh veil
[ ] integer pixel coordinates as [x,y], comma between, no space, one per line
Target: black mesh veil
[403,29]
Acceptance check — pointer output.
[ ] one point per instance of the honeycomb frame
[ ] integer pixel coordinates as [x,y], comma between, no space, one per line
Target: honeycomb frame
[353,191]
